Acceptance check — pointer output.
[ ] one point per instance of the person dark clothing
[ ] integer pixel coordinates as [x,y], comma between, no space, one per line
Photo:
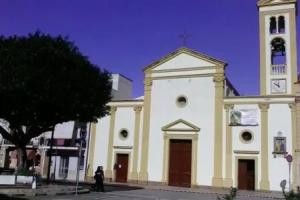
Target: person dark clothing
[99,177]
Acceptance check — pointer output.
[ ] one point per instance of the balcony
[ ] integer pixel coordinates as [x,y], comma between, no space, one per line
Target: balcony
[278,69]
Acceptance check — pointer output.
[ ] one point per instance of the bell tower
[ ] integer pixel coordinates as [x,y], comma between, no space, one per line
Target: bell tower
[278,46]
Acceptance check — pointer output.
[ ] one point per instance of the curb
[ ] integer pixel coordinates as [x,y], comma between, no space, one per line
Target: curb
[218,193]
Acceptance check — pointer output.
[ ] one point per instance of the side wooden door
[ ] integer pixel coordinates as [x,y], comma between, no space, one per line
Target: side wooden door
[122,168]
[246,174]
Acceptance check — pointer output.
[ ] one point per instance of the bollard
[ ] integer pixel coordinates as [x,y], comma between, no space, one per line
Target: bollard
[33,182]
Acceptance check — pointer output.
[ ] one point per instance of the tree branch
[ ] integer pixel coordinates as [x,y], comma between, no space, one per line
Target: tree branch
[35,131]
[5,134]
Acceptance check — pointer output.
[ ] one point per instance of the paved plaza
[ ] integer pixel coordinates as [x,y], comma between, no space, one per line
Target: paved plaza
[154,194]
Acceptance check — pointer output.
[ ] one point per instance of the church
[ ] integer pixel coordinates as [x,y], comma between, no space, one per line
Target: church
[192,128]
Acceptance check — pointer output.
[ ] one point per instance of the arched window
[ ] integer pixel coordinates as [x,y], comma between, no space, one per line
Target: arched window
[278,51]
[281,24]
[273,25]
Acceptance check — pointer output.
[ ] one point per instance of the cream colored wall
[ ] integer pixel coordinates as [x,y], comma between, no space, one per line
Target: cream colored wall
[279,120]
[121,87]
[238,144]
[250,149]
[199,111]
[183,61]
[101,143]
[124,120]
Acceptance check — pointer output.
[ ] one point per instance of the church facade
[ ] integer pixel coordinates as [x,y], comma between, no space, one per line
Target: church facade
[192,128]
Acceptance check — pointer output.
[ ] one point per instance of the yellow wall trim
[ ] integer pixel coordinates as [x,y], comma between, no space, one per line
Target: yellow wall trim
[264,182]
[192,127]
[217,180]
[137,122]
[91,149]
[245,152]
[294,145]
[228,181]
[143,174]
[109,169]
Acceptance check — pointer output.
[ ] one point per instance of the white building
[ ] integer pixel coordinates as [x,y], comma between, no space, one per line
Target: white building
[192,128]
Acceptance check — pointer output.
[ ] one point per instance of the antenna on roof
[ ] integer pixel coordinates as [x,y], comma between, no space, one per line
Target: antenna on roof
[184,36]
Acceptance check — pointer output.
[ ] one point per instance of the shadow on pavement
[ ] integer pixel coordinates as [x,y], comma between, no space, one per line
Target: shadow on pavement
[5,197]
[107,187]
[114,188]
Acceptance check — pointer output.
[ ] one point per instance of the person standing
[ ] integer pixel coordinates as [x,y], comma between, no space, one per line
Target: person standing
[99,177]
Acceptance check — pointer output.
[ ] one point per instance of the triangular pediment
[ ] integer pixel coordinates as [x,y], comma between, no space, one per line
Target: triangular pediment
[184,58]
[274,2]
[180,125]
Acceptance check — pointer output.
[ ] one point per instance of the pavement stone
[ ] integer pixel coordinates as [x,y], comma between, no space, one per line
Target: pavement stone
[136,191]
[211,190]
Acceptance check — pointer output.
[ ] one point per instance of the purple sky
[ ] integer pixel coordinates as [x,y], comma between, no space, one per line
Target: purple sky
[123,36]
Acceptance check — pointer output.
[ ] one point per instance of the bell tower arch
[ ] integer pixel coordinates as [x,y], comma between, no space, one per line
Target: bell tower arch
[278,46]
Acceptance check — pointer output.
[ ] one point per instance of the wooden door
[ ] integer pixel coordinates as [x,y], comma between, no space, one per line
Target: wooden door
[246,175]
[180,161]
[122,168]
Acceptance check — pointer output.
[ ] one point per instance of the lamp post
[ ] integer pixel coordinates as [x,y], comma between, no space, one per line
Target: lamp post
[289,159]
[79,141]
[78,165]
[50,155]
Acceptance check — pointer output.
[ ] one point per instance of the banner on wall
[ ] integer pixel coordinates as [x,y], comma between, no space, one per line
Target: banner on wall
[244,117]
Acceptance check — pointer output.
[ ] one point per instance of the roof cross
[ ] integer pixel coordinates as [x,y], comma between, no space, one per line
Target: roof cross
[185,36]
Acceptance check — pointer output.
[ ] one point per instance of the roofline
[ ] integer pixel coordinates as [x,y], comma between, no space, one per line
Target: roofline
[263,3]
[127,100]
[232,87]
[123,76]
[260,97]
[180,50]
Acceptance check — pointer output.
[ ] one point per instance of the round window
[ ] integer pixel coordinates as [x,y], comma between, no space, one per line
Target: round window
[181,101]
[124,133]
[246,136]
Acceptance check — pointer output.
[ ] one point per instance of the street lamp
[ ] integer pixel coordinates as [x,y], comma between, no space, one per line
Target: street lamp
[50,155]
[79,143]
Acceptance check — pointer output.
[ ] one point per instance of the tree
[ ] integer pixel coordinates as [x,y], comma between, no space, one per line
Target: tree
[44,81]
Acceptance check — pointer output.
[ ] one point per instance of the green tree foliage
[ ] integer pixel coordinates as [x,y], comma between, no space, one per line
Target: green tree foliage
[292,195]
[44,81]
[230,196]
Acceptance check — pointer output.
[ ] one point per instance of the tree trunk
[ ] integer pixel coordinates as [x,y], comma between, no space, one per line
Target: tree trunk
[22,158]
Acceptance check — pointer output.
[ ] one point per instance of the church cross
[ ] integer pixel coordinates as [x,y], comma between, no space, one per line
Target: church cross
[185,36]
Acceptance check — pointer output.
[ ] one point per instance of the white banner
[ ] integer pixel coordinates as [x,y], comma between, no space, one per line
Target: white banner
[244,117]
